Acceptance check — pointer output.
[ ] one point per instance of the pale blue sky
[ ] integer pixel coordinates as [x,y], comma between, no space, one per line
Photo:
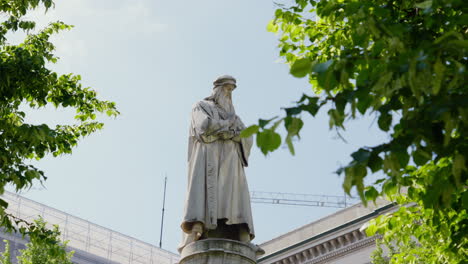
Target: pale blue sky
[155,59]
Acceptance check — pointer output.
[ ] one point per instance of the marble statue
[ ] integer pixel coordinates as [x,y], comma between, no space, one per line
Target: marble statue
[218,201]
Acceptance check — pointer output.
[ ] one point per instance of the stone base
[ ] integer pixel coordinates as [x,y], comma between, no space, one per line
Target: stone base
[219,251]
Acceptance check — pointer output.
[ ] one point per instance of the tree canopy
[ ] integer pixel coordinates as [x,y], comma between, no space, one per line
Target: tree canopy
[26,81]
[403,62]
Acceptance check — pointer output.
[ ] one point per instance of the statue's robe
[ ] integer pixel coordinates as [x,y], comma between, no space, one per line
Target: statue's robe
[217,186]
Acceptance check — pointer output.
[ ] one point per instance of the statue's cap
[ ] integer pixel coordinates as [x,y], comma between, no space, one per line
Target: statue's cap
[225,79]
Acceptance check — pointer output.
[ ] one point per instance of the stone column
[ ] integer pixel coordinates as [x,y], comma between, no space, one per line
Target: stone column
[219,251]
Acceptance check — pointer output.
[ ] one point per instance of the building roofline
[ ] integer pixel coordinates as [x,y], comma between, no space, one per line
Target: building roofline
[82,219]
[354,221]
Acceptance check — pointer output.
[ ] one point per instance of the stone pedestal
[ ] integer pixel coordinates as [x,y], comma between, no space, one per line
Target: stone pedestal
[219,251]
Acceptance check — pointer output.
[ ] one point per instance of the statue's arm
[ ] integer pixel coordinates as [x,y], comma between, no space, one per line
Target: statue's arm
[206,128]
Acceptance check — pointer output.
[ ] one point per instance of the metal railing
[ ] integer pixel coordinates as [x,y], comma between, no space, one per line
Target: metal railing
[302,199]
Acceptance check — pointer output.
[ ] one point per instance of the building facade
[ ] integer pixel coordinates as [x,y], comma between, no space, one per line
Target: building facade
[334,239]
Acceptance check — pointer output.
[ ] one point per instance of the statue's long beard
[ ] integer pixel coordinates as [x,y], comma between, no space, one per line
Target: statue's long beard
[224,100]
[226,103]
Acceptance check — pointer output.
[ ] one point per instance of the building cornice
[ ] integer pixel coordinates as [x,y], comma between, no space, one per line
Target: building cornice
[330,248]
[326,250]
[369,241]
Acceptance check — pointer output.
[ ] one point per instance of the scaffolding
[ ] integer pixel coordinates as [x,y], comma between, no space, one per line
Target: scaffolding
[302,199]
[88,237]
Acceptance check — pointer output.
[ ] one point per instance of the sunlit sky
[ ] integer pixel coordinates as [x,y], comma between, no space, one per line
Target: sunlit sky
[155,59]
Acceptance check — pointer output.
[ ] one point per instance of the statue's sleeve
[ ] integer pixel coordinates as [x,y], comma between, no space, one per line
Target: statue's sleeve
[245,143]
[205,127]
[245,147]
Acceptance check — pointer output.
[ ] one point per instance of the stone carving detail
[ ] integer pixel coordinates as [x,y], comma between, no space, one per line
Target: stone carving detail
[330,249]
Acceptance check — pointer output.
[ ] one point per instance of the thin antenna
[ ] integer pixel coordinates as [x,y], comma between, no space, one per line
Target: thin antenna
[162,216]
[345,204]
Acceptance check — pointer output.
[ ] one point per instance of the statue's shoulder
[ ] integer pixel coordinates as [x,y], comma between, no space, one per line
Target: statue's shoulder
[206,105]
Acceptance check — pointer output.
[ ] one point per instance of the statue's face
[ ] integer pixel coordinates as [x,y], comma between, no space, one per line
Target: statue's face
[229,87]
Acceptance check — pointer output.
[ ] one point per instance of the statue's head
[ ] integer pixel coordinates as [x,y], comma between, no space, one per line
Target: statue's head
[222,90]
[226,81]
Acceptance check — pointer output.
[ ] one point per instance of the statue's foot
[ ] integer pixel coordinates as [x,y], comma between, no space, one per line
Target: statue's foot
[197,235]
[192,237]
[197,231]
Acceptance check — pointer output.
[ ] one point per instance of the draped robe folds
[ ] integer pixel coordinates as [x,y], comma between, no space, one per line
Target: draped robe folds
[217,186]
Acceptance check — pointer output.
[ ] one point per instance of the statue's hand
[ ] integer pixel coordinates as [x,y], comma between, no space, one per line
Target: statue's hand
[235,123]
[236,137]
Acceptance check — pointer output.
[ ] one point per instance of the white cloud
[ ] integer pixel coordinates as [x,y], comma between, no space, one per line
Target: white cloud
[137,15]
[116,21]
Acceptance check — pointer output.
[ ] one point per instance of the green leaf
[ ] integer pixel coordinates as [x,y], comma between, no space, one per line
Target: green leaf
[326,79]
[311,106]
[293,111]
[465,200]
[262,122]
[382,82]
[439,69]
[375,163]
[290,145]
[278,12]
[403,157]
[457,167]
[3,204]
[460,43]
[348,180]
[322,67]
[361,156]
[389,188]
[293,125]
[424,5]
[360,172]
[391,164]
[412,193]
[354,175]
[305,97]
[272,27]
[420,157]
[340,170]
[249,131]
[370,229]
[301,67]
[336,118]
[340,102]
[276,124]
[385,121]
[268,141]
[371,193]
[364,102]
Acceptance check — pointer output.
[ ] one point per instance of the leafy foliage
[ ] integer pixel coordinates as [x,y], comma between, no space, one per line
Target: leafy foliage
[403,62]
[418,233]
[44,247]
[5,258]
[26,81]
